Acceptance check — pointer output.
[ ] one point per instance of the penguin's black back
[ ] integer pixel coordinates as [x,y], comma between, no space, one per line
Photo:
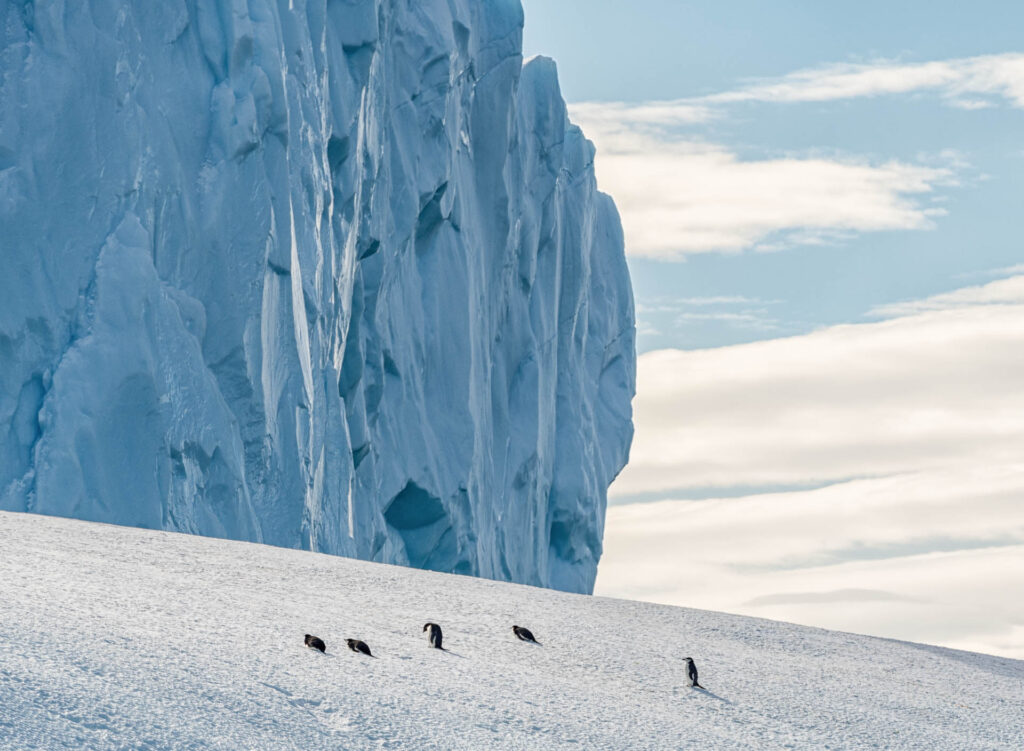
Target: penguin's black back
[691,672]
[434,636]
[358,646]
[524,633]
[314,642]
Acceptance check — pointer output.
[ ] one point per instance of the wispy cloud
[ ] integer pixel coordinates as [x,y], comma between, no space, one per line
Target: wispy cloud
[678,304]
[968,83]
[736,311]
[679,195]
[643,328]
[925,408]
[952,541]
[622,117]
[725,300]
[1001,292]
[745,319]
[845,401]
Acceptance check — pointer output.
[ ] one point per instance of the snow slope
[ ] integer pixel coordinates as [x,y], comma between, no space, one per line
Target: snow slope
[329,274]
[112,637]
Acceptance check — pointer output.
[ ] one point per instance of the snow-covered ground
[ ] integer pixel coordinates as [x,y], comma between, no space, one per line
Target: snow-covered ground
[113,637]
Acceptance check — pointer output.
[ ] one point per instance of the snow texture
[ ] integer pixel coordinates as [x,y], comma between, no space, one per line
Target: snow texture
[331,275]
[114,638]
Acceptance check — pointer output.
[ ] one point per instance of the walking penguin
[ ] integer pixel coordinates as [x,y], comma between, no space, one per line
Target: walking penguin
[691,673]
[434,635]
[358,646]
[315,643]
[524,633]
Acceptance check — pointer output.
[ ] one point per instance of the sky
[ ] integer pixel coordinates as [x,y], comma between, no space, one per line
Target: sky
[823,206]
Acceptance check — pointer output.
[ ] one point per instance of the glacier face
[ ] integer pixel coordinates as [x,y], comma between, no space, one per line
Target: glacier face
[331,275]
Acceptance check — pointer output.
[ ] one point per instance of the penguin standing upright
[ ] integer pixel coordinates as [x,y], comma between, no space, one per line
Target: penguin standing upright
[434,637]
[691,673]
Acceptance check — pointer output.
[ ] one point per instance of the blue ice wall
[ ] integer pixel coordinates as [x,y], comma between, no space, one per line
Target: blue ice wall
[331,275]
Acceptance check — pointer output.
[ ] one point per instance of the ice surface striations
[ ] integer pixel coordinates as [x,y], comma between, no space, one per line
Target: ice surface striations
[330,275]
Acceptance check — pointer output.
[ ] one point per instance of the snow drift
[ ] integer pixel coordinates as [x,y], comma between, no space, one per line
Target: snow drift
[113,638]
[331,275]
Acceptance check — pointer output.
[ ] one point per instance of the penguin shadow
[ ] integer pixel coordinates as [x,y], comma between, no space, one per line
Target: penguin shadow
[321,655]
[339,656]
[449,652]
[296,701]
[711,694]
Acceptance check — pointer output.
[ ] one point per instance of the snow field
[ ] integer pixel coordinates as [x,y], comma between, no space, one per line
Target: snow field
[113,637]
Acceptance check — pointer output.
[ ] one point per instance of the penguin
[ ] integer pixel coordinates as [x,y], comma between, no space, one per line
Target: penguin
[358,646]
[524,634]
[434,637]
[691,672]
[315,643]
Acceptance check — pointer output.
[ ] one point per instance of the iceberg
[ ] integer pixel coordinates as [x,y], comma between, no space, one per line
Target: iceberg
[331,275]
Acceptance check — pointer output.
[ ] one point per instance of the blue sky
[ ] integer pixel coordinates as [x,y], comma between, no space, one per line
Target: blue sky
[659,51]
[823,206]
[609,49]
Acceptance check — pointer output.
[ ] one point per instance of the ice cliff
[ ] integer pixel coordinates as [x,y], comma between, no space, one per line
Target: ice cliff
[330,275]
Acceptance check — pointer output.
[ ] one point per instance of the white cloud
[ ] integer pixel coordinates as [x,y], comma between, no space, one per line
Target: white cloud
[968,83]
[725,300]
[679,196]
[1001,292]
[680,304]
[623,118]
[643,328]
[928,557]
[743,319]
[915,427]
[682,196]
[842,402]
[734,311]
